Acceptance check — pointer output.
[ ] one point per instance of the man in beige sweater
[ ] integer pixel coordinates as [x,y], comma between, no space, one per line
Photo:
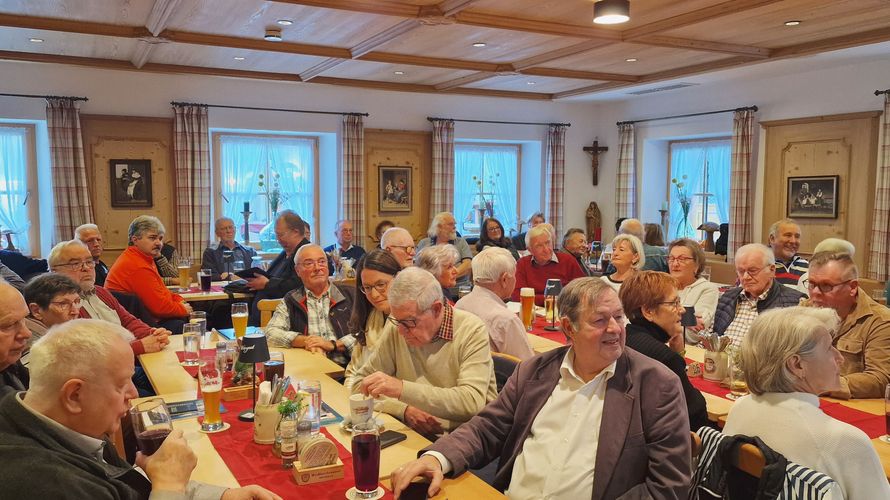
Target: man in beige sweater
[435,372]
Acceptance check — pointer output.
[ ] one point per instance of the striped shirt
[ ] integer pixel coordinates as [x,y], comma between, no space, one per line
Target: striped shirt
[789,274]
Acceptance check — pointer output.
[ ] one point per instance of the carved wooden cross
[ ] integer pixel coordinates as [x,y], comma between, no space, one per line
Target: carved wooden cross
[595,152]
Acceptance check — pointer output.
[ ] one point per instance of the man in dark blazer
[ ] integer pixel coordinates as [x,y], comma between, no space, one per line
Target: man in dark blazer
[590,420]
[290,230]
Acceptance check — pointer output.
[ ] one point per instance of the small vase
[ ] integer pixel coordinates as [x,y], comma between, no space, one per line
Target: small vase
[268,241]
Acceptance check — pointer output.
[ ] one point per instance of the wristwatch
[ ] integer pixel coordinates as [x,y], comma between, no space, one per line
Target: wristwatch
[334,343]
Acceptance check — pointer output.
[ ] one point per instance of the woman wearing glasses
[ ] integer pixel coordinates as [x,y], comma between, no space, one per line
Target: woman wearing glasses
[52,300]
[686,261]
[653,306]
[373,275]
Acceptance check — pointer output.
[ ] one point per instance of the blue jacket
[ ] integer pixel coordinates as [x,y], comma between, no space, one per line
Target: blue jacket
[778,296]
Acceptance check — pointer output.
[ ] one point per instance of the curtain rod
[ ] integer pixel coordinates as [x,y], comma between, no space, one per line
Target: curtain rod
[34,96]
[432,118]
[752,108]
[176,103]
[885,91]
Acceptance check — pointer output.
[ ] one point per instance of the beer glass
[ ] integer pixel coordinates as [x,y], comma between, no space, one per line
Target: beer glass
[191,344]
[151,424]
[737,385]
[211,382]
[527,307]
[239,318]
[605,260]
[205,276]
[886,438]
[365,458]
[184,266]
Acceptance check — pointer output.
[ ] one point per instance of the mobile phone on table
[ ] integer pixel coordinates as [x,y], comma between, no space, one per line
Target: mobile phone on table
[689,318]
[415,491]
[389,438]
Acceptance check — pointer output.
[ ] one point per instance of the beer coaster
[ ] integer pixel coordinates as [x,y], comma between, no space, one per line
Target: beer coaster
[225,427]
[351,494]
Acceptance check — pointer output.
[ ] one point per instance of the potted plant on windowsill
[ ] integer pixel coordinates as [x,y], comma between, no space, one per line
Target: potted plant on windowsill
[684,230]
[273,194]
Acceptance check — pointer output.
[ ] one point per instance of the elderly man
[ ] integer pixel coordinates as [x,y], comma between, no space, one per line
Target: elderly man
[443,231]
[315,316]
[52,299]
[574,243]
[55,434]
[656,257]
[436,372]
[613,420]
[736,309]
[864,335]
[784,240]
[90,236]
[519,241]
[73,259]
[220,256]
[134,272]
[14,337]
[494,273]
[344,246]
[544,263]
[290,231]
[398,242]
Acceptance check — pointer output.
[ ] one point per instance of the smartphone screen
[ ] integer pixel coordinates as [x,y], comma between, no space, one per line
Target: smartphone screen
[689,318]
[415,491]
[389,438]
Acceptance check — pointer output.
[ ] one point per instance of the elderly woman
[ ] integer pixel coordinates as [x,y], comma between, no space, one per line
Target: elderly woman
[440,260]
[627,259]
[492,235]
[373,275]
[652,305]
[686,261]
[833,245]
[52,299]
[788,360]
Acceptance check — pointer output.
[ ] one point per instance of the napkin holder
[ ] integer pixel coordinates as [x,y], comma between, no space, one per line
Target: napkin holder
[715,366]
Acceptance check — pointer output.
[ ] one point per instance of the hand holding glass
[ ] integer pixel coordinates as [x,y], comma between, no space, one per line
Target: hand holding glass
[151,424]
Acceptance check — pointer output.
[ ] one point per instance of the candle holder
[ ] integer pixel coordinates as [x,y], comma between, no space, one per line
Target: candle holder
[246,213]
[664,221]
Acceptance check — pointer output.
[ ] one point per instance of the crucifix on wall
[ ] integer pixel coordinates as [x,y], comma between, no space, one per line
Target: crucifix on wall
[595,152]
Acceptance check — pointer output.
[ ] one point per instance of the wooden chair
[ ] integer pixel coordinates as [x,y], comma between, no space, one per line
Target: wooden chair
[266,308]
[750,460]
[504,365]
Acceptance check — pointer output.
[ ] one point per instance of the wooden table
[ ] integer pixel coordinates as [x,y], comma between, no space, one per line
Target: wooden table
[173,384]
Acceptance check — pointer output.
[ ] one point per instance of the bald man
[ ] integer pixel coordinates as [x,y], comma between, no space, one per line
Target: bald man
[14,337]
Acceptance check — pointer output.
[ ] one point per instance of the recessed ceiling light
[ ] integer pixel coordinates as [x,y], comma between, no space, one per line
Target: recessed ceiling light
[35,40]
[273,35]
[631,59]
[398,72]
[479,44]
[529,83]
[611,11]
[284,22]
[793,22]
[238,58]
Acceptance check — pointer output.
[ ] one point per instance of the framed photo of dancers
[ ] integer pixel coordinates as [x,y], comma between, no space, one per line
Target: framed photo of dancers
[130,183]
[813,197]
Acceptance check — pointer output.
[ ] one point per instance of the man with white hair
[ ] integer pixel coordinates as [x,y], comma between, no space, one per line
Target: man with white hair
[656,257]
[543,263]
[834,245]
[738,307]
[398,242]
[494,273]
[443,231]
[219,257]
[344,245]
[14,337]
[55,435]
[90,236]
[435,372]
[784,240]
[315,316]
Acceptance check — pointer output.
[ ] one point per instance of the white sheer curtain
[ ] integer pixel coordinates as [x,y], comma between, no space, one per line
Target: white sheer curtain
[706,167]
[497,168]
[14,185]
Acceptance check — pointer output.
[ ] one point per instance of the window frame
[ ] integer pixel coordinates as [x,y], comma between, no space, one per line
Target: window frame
[670,166]
[517,147]
[31,181]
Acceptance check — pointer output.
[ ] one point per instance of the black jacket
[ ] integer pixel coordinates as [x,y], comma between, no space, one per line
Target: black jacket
[778,296]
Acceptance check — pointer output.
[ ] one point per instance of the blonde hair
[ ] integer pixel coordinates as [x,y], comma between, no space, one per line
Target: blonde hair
[635,245]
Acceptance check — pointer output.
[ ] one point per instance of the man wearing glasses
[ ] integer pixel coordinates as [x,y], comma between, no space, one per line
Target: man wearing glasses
[315,316]
[90,236]
[398,242]
[864,336]
[52,300]
[755,266]
[436,372]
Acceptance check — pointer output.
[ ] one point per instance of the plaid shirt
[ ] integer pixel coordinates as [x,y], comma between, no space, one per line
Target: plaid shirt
[745,314]
[319,320]
[446,330]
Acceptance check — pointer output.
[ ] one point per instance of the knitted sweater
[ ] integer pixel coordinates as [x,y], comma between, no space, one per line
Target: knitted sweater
[531,274]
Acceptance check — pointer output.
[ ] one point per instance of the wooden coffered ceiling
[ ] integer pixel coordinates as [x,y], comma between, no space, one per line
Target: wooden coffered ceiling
[534,49]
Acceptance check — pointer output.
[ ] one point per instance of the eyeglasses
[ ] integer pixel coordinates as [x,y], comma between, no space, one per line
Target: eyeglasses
[67,304]
[824,287]
[676,304]
[407,324]
[380,287]
[83,264]
[750,272]
[410,249]
[679,260]
[309,264]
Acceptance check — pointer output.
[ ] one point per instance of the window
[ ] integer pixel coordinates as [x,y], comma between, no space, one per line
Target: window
[703,167]
[17,209]
[286,164]
[485,174]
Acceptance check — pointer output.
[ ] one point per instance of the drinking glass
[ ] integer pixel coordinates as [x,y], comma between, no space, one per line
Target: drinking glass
[151,424]
[605,260]
[706,273]
[527,307]
[311,392]
[199,318]
[238,265]
[886,438]
[191,344]
[737,385]
[184,265]
[365,458]
[239,318]
[210,378]
[205,276]
[275,366]
[463,291]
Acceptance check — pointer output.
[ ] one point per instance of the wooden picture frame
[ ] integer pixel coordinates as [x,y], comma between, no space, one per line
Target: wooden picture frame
[130,183]
[395,189]
[814,197]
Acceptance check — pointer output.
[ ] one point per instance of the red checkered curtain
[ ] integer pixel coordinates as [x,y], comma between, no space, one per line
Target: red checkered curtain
[626,179]
[740,177]
[442,196]
[879,258]
[69,174]
[556,172]
[352,203]
[191,167]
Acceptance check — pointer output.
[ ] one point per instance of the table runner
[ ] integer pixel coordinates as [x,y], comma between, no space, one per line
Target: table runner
[538,329]
[253,463]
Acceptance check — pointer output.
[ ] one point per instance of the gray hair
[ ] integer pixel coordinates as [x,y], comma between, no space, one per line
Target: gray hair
[417,285]
[775,336]
[491,263]
[80,348]
[219,221]
[53,258]
[143,224]
[340,223]
[633,227]
[300,251]
[635,245]
[391,233]
[292,220]
[774,229]
[571,232]
[835,245]
[532,217]
[542,228]
[84,227]
[434,224]
[844,260]
[579,295]
[769,258]
[436,257]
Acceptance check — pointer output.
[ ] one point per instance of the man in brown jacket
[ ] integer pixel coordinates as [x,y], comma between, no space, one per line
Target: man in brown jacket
[590,420]
[864,336]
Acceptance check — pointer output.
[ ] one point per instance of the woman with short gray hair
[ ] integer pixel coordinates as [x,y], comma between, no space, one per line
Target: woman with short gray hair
[628,257]
[788,359]
[440,260]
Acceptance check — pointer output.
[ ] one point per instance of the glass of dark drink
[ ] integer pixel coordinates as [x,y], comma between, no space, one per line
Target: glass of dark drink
[886,437]
[151,424]
[275,366]
[366,458]
[205,276]
[605,260]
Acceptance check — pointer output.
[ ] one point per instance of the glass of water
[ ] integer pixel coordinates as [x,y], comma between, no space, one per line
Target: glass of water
[191,344]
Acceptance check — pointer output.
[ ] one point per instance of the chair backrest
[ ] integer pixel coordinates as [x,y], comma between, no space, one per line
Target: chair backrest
[504,365]
[750,460]
[134,306]
[266,308]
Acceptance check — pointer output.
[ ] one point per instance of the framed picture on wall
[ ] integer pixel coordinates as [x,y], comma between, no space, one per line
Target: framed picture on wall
[813,197]
[130,183]
[395,189]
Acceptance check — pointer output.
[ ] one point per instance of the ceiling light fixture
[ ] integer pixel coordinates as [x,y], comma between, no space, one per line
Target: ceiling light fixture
[398,73]
[631,59]
[35,40]
[238,58]
[793,22]
[284,22]
[611,11]
[529,83]
[273,35]
[479,45]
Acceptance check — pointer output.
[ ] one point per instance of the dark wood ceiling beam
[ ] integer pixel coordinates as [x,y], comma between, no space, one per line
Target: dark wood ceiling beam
[701,45]
[836,43]
[380,7]
[464,80]
[429,89]
[553,55]
[726,8]
[581,75]
[534,26]
[71,26]
[430,62]
[254,44]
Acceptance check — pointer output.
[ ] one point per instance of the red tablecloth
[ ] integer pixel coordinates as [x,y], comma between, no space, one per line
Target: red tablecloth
[538,329]
[253,463]
[193,370]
